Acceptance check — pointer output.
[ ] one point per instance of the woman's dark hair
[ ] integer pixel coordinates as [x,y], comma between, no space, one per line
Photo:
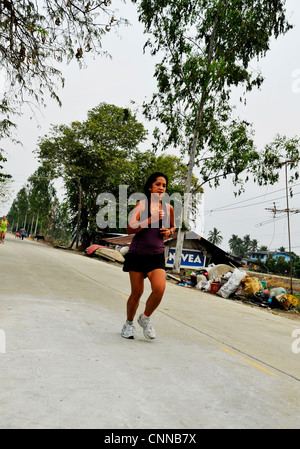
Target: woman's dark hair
[152,178]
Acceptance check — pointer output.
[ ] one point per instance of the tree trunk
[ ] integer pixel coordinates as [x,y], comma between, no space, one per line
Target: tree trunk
[192,154]
[79,213]
[36,223]
[31,224]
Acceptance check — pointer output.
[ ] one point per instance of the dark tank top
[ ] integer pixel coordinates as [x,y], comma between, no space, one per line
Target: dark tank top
[149,240]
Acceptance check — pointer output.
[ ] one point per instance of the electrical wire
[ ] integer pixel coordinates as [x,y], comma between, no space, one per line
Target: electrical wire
[273,219]
[224,208]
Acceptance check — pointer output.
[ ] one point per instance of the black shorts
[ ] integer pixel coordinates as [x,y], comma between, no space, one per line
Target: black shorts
[143,263]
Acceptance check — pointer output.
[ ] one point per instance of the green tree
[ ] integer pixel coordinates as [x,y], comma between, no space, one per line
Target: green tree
[277,265]
[41,195]
[215,237]
[35,37]
[62,229]
[141,165]
[92,157]
[237,246]
[3,176]
[242,246]
[18,213]
[249,245]
[206,47]
[232,241]
[253,245]
[282,152]
[296,266]
[33,203]
[5,190]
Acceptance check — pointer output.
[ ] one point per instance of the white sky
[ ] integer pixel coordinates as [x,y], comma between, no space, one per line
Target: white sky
[275,109]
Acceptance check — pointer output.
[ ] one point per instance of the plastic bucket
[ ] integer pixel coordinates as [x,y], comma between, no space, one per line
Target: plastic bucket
[214,287]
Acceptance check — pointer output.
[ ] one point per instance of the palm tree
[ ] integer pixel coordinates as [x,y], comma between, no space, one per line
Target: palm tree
[263,248]
[242,246]
[236,245]
[215,237]
[254,245]
[233,242]
[247,243]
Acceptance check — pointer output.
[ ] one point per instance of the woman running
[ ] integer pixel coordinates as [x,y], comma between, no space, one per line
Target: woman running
[150,222]
[3,228]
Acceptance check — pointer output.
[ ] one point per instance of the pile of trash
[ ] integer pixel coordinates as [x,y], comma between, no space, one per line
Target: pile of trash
[234,283]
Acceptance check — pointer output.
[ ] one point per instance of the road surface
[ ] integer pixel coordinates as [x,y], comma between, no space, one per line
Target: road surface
[215,364]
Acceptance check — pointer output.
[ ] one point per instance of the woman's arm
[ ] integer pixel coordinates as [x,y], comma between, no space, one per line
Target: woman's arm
[135,225]
[167,232]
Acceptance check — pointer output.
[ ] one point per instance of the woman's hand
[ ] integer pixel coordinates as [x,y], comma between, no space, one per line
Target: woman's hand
[166,232]
[156,215]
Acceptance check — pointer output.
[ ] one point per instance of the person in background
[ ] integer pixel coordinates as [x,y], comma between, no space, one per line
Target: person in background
[151,221]
[22,233]
[3,228]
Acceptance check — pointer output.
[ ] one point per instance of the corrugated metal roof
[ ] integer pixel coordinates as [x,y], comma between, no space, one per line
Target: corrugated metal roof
[122,241]
[126,239]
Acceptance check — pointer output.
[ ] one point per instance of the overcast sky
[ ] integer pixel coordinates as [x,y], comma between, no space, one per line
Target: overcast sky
[274,109]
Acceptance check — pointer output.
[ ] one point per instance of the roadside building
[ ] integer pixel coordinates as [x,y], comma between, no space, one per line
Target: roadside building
[197,251]
[264,255]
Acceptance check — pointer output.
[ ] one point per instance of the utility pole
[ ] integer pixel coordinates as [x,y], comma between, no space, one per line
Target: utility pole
[287,211]
[289,229]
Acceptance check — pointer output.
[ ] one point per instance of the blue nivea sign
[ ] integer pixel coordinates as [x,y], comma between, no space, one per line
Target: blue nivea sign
[190,258]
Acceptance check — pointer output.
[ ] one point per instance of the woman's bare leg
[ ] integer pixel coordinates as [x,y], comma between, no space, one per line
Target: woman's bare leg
[157,279]
[137,289]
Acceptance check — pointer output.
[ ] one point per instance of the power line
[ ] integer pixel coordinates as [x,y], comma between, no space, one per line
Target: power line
[247,205]
[271,220]
[288,211]
[221,208]
[275,210]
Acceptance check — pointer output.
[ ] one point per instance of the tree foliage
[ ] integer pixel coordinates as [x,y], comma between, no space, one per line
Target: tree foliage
[215,237]
[242,247]
[5,186]
[280,266]
[18,211]
[35,37]
[206,47]
[97,156]
[32,207]
[92,156]
[282,152]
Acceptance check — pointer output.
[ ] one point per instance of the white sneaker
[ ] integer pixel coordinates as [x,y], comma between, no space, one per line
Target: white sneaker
[146,324]
[128,330]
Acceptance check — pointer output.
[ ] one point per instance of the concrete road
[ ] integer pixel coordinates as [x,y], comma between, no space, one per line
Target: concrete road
[215,363]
